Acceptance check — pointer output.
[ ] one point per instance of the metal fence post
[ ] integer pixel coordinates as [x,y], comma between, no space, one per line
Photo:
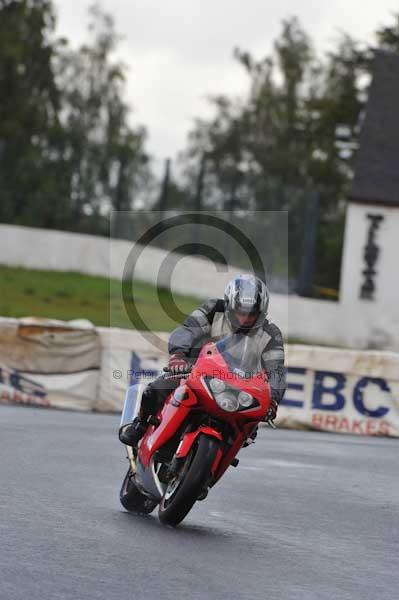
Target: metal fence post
[163,200]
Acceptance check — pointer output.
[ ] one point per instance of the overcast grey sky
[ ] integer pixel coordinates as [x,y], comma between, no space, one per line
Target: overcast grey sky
[180,51]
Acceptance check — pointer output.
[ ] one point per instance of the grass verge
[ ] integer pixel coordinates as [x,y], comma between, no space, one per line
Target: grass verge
[67,296]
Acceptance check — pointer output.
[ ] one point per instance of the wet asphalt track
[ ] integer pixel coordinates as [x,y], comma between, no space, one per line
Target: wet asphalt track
[305,516]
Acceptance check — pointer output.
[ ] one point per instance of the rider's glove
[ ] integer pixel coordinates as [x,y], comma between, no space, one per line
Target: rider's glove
[178,363]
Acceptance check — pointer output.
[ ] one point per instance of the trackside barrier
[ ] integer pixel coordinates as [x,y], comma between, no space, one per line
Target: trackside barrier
[49,363]
[344,391]
[76,366]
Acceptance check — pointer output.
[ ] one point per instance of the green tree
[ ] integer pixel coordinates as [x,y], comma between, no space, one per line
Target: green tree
[68,150]
[107,163]
[29,107]
[267,150]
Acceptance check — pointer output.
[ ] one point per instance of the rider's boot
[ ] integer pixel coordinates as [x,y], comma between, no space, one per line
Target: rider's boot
[132,433]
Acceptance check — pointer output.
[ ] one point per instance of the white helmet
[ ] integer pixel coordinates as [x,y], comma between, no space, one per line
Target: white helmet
[246,301]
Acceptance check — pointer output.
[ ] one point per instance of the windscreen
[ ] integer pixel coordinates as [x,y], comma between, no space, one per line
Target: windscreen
[242,354]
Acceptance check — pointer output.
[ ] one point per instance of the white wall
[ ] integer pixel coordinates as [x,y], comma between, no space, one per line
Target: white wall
[35,248]
[350,323]
[53,250]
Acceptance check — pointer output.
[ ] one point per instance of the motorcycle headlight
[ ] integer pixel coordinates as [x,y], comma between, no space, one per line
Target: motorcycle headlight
[227,401]
[245,400]
[217,385]
[227,397]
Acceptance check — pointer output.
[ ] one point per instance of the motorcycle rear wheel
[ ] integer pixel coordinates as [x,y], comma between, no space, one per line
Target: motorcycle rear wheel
[194,476]
[132,499]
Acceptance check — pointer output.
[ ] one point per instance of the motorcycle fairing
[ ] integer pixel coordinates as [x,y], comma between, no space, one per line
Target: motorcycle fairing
[173,414]
[147,479]
[132,403]
[189,439]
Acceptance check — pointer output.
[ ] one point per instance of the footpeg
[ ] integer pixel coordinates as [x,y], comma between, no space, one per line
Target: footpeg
[235,462]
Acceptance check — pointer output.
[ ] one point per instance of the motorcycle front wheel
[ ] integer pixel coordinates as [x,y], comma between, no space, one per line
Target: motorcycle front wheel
[132,499]
[194,475]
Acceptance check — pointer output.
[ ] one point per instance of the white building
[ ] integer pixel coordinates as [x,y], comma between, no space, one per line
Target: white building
[370,269]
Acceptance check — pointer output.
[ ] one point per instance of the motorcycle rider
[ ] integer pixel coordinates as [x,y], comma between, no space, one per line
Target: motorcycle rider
[244,310]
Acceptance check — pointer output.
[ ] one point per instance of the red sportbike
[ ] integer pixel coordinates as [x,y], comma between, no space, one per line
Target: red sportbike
[196,436]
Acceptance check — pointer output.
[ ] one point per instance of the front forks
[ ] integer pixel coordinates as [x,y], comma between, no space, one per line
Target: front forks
[131,459]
